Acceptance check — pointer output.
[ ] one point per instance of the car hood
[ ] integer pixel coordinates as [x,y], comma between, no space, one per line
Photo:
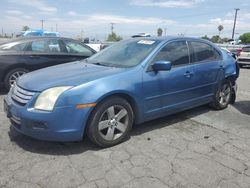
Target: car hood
[70,74]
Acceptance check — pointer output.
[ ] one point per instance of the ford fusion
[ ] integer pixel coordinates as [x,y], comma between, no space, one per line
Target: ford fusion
[130,82]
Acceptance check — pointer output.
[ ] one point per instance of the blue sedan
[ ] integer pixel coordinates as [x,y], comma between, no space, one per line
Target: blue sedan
[130,82]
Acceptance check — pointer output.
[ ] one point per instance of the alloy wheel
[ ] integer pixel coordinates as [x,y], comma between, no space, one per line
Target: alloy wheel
[224,94]
[13,77]
[113,122]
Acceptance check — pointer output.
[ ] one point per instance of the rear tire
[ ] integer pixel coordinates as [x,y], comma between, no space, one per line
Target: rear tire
[223,95]
[110,122]
[12,76]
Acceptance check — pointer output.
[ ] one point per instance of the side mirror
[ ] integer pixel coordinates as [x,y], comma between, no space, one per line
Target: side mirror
[162,66]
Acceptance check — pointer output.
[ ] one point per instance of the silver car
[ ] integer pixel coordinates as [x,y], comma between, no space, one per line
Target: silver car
[244,57]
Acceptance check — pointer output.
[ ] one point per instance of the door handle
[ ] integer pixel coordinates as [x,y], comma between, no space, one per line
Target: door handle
[188,74]
[221,67]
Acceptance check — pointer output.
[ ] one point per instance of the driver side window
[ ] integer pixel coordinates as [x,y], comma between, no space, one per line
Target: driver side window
[76,48]
[175,52]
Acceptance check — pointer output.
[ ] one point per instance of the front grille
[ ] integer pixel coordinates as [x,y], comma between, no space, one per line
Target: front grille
[20,95]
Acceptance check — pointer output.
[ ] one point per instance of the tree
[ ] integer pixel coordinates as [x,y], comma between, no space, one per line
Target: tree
[245,38]
[159,32]
[26,28]
[113,37]
[220,28]
[225,39]
[215,38]
[206,37]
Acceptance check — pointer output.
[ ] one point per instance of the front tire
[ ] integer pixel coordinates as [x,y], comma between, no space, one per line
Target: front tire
[12,76]
[110,122]
[223,95]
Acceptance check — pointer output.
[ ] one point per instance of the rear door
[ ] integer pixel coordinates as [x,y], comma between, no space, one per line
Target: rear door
[206,63]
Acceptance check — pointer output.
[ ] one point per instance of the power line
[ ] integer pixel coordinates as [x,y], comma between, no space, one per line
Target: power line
[42,23]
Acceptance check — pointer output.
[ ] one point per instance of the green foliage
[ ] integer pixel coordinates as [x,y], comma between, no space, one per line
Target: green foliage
[206,37]
[159,32]
[225,39]
[216,39]
[113,37]
[26,28]
[245,38]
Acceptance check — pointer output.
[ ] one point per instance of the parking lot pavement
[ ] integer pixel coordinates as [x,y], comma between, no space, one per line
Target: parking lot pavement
[196,148]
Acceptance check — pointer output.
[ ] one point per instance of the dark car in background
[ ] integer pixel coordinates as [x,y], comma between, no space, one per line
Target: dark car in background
[20,56]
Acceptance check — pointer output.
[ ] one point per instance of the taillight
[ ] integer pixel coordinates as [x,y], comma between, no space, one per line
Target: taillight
[239,50]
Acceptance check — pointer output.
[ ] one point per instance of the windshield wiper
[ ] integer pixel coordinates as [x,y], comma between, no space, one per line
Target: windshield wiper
[101,64]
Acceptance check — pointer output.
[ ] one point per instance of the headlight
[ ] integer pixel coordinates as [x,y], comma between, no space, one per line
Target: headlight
[47,99]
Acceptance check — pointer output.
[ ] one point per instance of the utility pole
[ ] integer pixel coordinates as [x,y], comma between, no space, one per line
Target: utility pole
[56,28]
[81,35]
[235,18]
[112,27]
[42,23]
[165,31]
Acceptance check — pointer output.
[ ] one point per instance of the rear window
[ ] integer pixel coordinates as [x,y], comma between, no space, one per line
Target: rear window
[246,49]
[15,46]
[203,52]
[76,48]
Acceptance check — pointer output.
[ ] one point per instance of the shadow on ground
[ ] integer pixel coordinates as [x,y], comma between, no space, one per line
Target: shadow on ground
[243,107]
[3,91]
[50,148]
[245,67]
[168,120]
[69,148]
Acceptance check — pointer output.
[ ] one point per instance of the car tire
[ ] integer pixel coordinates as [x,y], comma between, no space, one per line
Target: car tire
[110,122]
[223,95]
[12,76]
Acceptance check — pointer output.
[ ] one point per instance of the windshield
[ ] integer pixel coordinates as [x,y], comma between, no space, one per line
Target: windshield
[124,54]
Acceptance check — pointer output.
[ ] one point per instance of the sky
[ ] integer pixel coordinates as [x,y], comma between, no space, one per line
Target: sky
[92,18]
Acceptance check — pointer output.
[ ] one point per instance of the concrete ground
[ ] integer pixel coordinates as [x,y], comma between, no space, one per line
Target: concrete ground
[197,148]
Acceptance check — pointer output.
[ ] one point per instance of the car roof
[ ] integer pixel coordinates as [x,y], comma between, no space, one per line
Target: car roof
[169,38]
[26,39]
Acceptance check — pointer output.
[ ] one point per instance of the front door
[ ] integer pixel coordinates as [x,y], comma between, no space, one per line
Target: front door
[169,91]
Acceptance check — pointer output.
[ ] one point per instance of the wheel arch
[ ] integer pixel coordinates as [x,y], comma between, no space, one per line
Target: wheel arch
[131,100]
[15,66]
